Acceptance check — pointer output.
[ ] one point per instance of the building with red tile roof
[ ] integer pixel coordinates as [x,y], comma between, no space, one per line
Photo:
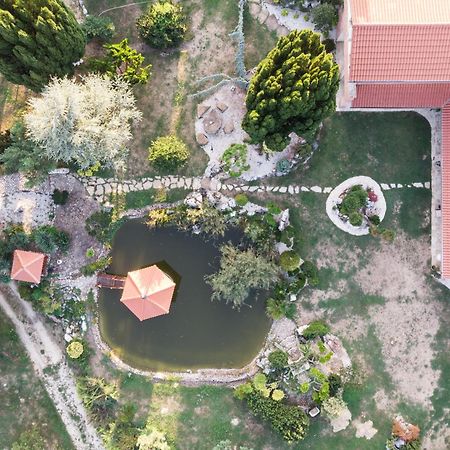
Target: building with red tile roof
[395,54]
[27,266]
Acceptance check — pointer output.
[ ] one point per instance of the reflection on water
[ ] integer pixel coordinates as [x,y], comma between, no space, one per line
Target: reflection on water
[197,332]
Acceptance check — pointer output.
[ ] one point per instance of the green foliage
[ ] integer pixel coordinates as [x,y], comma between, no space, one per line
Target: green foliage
[304,388]
[122,61]
[163,25]
[152,439]
[334,406]
[330,45]
[227,445]
[325,17]
[75,349]
[335,382]
[288,420]
[101,28]
[242,390]
[293,90]
[278,359]
[234,160]
[30,440]
[24,156]
[49,239]
[43,297]
[355,199]
[168,153]
[96,266]
[311,272]
[278,308]
[355,219]
[240,271]
[38,39]
[322,394]
[241,199]
[289,260]
[375,220]
[60,197]
[102,226]
[5,140]
[316,329]
[283,166]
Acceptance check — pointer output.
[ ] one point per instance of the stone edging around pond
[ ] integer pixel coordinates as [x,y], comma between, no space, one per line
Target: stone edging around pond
[192,377]
[334,199]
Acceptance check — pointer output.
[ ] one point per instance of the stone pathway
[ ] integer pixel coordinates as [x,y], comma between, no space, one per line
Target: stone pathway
[101,188]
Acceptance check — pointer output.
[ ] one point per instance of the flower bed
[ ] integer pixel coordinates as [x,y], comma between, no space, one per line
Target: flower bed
[356,204]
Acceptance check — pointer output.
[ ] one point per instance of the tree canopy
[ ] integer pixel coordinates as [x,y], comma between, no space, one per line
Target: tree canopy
[38,39]
[86,123]
[293,90]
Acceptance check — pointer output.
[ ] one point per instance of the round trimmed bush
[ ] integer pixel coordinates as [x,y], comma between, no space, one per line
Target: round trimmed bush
[168,153]
[375,219]
[289,261]
[356,219]
[354,200]
[75,349]
[163,25]
[241,199]
[278,359]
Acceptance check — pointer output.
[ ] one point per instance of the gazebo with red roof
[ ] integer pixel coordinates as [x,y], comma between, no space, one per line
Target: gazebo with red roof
[148,292]
[27,266]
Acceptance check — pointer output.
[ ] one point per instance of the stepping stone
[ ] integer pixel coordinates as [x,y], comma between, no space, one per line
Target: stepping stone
[399,185]
[276,189]
[291,189]
[255,8]
[107,189]
[252,188]
[222,107]
[228,128]
[90,189]
[196,184]
[316,189]
[418,185]
[147,185]
[269,188]
[327,190]
[384,186]
[296,189]
[393,186]
[201,139]
[244,188]
[201,110]
[157,184]
[304,189]
[283,189]
[188,182]
[408,185]
[427,185]
[212,122]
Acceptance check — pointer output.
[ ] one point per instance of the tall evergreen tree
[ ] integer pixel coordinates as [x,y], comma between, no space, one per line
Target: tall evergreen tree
[38,39]
[294,89]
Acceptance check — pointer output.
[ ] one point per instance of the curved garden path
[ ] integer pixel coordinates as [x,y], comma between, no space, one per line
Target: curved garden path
[48,362]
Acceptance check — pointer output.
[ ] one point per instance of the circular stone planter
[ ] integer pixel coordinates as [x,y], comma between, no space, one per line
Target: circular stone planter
[334,199]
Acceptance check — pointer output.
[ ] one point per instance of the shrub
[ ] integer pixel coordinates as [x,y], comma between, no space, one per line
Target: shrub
[31,439]
[283,166]
[234,160]
[356,219]
[375,219]
[278,359]
[354,200]
[334,406]
[335,382]
[311,272]
[241,199]
[163,25]
[101,28]
[316,329]
[289,260]
[74,349]
[325,17]
[330,45]
[60,197]
[168,153]
[157,217]
[288,420]
[49,239]
[388,235]
[92,268]
[278,308]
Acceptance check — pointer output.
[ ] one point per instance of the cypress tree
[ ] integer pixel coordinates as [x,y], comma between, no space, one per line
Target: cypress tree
[293,90]
[38,39]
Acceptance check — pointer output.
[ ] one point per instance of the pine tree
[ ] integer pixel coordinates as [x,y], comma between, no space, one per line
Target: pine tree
[293,90]
[38,39]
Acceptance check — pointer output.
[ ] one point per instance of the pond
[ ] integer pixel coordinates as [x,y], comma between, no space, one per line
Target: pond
[197,332]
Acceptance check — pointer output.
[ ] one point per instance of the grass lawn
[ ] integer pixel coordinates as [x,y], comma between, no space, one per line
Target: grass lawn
[391,147]
[25,403]
[208,49]
[12,102]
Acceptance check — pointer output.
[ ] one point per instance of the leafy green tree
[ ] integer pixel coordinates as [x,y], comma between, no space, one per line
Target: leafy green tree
[123,62]
[163,25]
[325,17]
[38,39]
[83,123]
[101,28]
[24,156]
[293,90]
[240,271]
[168,153]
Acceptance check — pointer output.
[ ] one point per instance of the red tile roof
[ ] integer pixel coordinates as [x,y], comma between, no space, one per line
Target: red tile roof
[400,53]
[400,11]
[445,205]
[27,266]
[409,95]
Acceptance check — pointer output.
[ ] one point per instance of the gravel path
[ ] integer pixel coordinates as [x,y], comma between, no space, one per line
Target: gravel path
[49,364]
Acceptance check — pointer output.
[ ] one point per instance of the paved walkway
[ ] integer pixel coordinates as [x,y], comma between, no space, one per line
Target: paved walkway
[102,188]
[49,364]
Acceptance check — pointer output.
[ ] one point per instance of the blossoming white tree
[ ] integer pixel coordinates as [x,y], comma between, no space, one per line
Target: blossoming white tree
[86,123]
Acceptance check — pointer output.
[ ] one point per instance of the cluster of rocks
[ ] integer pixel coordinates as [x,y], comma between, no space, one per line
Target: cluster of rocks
[213,121]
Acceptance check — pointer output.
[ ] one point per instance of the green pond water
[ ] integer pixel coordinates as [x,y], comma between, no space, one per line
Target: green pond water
[197,332]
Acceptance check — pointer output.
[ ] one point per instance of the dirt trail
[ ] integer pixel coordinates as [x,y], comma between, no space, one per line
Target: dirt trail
[49,364]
